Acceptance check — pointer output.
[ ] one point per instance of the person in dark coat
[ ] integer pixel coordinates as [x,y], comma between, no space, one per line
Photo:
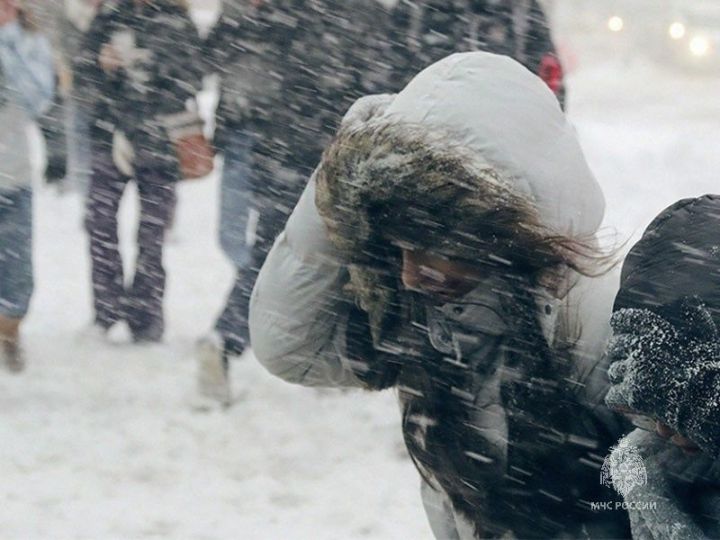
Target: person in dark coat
[421,33]
[141,57]
[666,370]
[288,71]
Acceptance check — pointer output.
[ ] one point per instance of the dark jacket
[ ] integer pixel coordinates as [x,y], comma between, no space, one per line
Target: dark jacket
[424,32]
[162,77]
[666,353]
[674,265]
[291,69]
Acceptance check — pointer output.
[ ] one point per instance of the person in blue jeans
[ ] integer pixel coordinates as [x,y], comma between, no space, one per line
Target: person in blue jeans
[238,218]
[26,90]
[237,233]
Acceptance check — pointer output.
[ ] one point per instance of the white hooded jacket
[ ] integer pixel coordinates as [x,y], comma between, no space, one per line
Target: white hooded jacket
[507,119]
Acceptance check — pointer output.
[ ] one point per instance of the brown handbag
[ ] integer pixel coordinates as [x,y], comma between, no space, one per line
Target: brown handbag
[195,155]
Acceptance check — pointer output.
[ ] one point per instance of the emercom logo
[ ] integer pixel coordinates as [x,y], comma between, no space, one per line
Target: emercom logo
[623,470]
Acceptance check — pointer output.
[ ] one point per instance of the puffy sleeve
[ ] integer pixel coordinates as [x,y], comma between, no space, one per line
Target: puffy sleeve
[298,312]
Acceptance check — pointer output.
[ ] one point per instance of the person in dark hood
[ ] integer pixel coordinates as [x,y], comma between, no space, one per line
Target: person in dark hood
[442,248]
[665,371]
[141,55]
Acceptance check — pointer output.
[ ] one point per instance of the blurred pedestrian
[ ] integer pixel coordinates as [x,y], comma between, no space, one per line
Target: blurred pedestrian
[26,90]
[288,70]
[141,54]
[423,32]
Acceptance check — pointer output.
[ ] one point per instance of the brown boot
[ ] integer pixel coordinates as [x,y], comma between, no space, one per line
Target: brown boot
[10,351]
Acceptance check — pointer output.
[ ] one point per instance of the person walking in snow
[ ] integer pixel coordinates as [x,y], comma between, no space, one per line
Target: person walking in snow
[665,372]
[142,55]
[26,90]
[288,71]
[444,247]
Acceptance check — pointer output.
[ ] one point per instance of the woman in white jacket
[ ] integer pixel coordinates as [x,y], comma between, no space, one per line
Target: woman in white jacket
[26,89]
[441,249]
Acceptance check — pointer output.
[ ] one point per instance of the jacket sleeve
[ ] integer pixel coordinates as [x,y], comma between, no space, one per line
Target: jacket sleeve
[585,326]
[179,71]
[28,67]
[298,312]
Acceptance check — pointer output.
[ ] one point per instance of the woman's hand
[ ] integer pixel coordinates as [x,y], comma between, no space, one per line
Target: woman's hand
[8,11]
[109,58]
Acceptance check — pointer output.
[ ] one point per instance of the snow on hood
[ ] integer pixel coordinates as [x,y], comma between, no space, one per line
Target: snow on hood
[494,105]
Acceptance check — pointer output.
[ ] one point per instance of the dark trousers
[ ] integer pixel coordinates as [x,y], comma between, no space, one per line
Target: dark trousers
[140,303]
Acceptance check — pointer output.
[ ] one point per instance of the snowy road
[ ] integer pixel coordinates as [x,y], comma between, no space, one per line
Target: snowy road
[101,442]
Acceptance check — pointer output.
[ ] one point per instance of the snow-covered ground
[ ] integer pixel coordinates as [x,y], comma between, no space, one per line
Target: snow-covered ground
[102,442]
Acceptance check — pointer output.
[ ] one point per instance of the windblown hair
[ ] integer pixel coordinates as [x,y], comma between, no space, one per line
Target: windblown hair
[27,19]
[382,188]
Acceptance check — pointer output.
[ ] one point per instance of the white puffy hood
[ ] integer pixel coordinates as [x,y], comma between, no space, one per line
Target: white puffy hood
[496,108]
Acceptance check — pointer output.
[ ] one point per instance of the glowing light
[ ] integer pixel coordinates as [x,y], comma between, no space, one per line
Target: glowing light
[677,30]
[699,46]
[616,24]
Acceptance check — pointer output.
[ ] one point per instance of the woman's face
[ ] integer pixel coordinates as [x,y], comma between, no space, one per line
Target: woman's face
[440,278]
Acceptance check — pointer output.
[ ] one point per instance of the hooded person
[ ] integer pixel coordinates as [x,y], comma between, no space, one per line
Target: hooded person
[439,248]
[665,371]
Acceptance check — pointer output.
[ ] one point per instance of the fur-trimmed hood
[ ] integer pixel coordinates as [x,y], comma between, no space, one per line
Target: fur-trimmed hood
[474,158]
[491,120]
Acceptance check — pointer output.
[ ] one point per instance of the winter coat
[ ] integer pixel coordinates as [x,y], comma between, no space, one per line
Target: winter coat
[290,69]
[161,46]
[677,256]
[307,329]
[421,33]
[26,90]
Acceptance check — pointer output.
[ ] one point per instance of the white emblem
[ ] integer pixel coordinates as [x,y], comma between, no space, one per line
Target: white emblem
[624,470]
